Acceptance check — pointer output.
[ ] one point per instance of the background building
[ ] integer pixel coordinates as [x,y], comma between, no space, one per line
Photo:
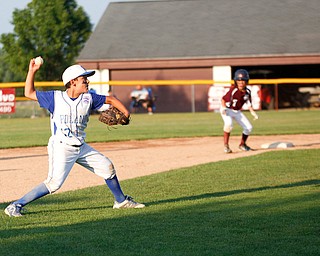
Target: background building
[204,39]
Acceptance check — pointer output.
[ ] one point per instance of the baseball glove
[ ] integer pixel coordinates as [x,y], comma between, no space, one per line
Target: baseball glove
[113,116]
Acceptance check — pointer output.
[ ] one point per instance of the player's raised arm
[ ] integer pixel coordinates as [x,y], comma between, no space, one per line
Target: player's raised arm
[29,90]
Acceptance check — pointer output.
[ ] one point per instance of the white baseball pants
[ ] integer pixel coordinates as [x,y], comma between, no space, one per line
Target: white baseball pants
[62,157]
[239,117]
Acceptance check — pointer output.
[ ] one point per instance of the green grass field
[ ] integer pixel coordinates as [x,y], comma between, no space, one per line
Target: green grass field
[267,204]
[25,132]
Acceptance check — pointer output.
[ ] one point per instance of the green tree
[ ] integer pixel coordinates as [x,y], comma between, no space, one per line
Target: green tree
[56,30]
[5,74]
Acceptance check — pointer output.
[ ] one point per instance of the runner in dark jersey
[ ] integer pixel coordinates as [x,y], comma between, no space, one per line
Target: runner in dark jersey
[231,105]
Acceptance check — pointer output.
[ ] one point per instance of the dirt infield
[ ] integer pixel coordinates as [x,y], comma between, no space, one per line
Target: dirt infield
[23,168]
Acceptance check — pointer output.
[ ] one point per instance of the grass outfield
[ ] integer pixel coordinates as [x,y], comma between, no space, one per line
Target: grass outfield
[26,132]
[266,204]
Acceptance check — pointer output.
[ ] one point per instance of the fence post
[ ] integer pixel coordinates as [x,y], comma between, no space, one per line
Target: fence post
[193,104]
[276,97]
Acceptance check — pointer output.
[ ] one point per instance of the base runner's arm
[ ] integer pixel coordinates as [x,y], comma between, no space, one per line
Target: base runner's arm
[223,107]
[253,113]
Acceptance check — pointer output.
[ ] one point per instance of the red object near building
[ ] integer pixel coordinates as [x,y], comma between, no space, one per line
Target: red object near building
[7,100]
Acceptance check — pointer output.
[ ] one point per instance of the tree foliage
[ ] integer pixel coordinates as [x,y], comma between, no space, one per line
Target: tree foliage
[56,30]
[5,73]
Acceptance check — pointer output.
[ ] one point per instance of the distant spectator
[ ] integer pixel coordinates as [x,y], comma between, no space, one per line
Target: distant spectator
[142,98]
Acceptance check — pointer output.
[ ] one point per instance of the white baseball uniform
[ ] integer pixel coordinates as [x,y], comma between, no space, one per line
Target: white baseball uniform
[67,146]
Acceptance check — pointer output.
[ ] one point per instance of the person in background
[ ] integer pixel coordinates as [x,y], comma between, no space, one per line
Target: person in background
[142,97]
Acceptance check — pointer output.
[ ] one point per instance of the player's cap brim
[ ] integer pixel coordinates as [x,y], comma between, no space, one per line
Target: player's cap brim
[88,73]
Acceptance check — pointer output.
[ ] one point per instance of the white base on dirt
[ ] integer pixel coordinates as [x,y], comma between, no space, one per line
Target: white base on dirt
[278,144]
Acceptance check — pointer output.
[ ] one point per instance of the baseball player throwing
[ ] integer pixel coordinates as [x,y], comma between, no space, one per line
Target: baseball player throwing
[69,115]
[231,105]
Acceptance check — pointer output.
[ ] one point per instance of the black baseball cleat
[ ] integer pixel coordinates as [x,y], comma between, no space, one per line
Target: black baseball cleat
[245,147]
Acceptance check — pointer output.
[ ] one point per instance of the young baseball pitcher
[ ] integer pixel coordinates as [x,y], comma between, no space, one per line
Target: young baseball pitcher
[69,115]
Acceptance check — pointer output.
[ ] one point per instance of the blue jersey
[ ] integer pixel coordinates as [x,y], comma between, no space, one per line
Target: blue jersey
[69,117]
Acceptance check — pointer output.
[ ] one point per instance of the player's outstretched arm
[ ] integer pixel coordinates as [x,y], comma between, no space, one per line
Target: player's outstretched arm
[29,90]
[118,104]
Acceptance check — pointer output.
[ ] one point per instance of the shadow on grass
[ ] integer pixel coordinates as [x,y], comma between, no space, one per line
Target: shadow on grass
[239,191]
[242,226]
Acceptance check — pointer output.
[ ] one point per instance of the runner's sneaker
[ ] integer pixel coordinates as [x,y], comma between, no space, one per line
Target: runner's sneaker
[227,150]
[128,203]
[244,147]
[14,210]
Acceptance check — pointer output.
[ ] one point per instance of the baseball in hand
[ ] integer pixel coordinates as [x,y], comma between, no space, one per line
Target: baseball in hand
[38,61]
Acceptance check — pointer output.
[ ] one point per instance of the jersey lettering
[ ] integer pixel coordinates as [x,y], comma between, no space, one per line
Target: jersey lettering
[69,117]
[72,123]
[66,132]
[81,119]
[235,98]
[234,102]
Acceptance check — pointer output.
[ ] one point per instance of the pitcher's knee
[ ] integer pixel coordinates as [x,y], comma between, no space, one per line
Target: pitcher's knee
[52,186]
[105,171]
